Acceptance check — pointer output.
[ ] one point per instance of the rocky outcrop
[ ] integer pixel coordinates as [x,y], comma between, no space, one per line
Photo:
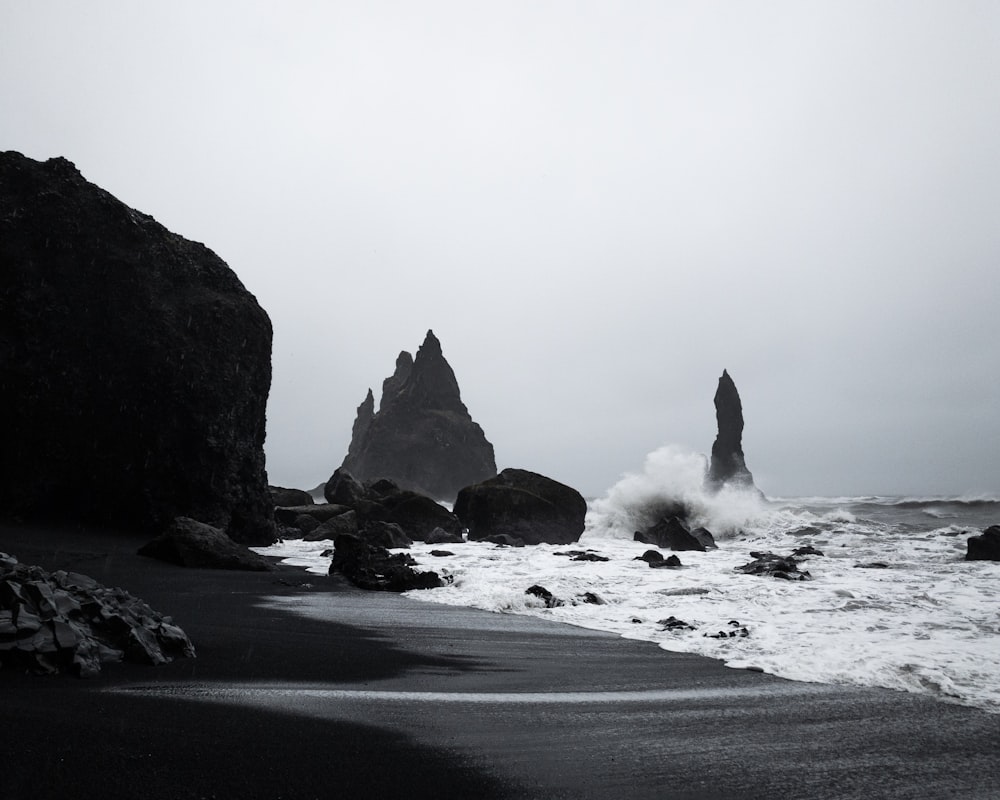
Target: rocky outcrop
[134,365]
[67,622]
[189,543]
[672,533]
[985,547]
[283,497]
[422,436]
[775,566]
[372,567]
[523,506]
[727,465]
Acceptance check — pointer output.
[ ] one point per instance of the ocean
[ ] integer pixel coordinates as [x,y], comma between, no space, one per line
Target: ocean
[891,601]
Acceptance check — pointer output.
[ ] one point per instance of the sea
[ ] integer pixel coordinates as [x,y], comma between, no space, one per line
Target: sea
[891,602]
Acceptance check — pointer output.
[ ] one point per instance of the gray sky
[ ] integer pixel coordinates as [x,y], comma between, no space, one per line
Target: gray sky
[596,206]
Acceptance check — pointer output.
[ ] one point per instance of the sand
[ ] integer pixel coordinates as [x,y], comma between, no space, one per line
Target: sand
[307,688]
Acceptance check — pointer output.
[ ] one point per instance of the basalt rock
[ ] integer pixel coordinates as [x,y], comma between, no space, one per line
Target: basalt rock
[189,543]
[672,533]
[289,497]
[68,622]
[985,547]
[422,436]
[728,465]
[134,365]
[371,567]
[775,566]
[523,505]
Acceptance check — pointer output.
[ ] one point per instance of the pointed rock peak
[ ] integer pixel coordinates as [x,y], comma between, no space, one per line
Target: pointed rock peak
[403,362]
[431,344]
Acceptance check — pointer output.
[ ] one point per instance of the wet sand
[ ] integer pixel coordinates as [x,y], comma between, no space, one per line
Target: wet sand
[307,688]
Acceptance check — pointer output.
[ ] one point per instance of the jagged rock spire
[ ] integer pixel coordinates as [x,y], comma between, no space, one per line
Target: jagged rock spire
[728,465]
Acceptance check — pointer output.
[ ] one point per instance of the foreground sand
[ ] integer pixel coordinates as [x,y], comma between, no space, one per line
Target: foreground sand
[306,688]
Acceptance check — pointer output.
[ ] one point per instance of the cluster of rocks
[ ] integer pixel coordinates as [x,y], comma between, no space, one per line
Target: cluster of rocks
[68,622]
[775,566]
[371,566]
[135,365]
[422,436]
[673,533]
[655,559]
[986,546]
[551,601]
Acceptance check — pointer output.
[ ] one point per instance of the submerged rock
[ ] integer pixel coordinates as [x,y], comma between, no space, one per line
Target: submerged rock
[543,594]
[728,465]
[134,365]
[672,533]
[985,547]
[775,566]
[523,505]
[68,622]
[422,436]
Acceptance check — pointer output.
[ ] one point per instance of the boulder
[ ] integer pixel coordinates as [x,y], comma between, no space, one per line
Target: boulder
[441,536]
[672,533]
[544,595]
[190,543]
[289,497]
[504,540]
[416,514]
[68,622]
[985,547]
[385,534]
[344,489]
[333,527]
[321,512]
[422,436]
[368,566]
[523,505]
[775,566]
[134,365]
[670,562]
[728,465]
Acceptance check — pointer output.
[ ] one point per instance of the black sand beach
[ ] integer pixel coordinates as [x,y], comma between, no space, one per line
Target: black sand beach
[307,688]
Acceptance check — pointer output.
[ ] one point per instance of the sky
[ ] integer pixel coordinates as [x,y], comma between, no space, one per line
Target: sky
[596,206]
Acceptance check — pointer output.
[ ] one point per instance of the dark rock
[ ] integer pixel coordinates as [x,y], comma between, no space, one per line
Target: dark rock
[189,543]
[650,557]
[671,562]
[592,599]
[422,436]
[522,504]
[306,523]
[504,540]
[321,512]
[134,365]
[385,534]
[775,566]
[441,536]
[368,566]
[985,547]
[417,514]
[673,624]
[344,489]
[67,622]
[381,487]
[872,565]
[441,553]
[735,631]
[728,465]
[808,550]
[672,533]
[289,497]
[333,527]
[589,557]
[545,595]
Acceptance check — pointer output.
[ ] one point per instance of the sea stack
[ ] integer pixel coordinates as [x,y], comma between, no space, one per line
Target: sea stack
[422,436]
[134,365]
[728,466]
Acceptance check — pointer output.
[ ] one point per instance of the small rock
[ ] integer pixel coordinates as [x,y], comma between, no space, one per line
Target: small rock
[545,595]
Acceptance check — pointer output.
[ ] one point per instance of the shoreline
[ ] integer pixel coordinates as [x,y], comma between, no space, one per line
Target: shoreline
[381,729]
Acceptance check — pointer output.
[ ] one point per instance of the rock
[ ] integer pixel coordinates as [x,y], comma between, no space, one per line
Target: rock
[422,436]
[808,550]
[985,547]
[441,553]
[544,595]
[371,567]
[735,631]
[344,489]
[190,543]
[592,599]
[524,505]
[321,512]
[671,562]
[441,536]
[385,534]
[305,524]
[672,533]
[650,557]
[66,622]
[333,527]
[135,366]
[728,465]
[289,497]
[589,557]
[504,540]
[775,566]
[416,514]
[673,624]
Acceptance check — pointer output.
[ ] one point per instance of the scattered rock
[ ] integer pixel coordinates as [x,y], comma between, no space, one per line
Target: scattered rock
[985,547]
[190,543]
[671,562]
[441,536]
[422,436]
[135,366]
[650,557]
[736,631]
[808,550]
[589,557]
[592,599]
[371,567]
[775,566]
[321,512]
[545,595]
[67,622]
[385,534]
[673,624]
[503,540]
[728,465]
[672,533]
[333,527]
[872,565]
[441,553]
[523,504]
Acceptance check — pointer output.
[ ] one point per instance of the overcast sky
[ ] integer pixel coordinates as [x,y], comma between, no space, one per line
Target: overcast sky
[596,206]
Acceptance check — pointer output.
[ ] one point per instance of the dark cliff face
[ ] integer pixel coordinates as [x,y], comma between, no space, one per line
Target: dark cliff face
[728,465]
[134,365]
[422,437]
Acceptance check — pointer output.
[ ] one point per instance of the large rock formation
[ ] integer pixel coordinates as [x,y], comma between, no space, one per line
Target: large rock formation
[524,506]
[727,465]
[134,365]
[985,547]
[422,436]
